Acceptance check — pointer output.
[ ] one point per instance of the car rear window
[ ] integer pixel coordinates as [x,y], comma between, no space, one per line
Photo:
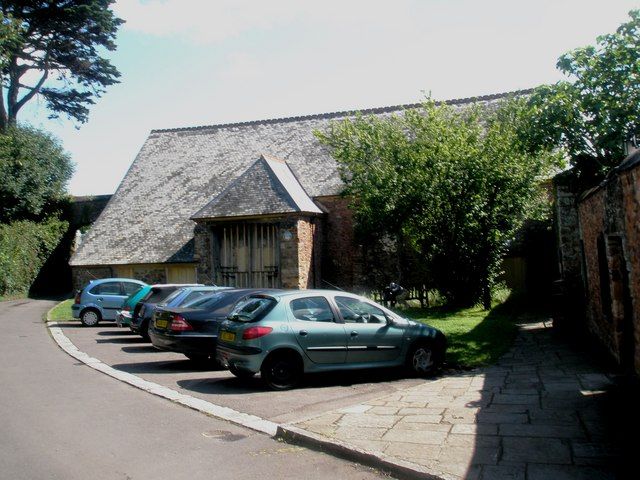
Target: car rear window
[251,309]
[156,295]
[172,296]
[194,296]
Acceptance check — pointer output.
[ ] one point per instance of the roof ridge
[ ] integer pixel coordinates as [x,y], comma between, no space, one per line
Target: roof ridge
[375,110]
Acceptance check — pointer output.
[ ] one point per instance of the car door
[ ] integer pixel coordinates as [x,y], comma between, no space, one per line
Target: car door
[370,337]
[110,297]
[317,330]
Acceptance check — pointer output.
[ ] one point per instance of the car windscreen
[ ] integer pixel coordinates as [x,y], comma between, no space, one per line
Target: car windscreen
[204,302]
[251,309]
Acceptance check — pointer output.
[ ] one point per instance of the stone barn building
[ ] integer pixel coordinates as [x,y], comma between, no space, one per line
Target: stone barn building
[244,204]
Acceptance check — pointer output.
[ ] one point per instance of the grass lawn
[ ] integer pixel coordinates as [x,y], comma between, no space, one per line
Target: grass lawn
[475,336]
[62,311]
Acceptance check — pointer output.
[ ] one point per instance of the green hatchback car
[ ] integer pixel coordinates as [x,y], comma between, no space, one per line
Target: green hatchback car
[284,334]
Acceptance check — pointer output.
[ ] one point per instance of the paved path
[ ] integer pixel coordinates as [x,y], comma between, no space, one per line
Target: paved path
[59,419]
[541,413]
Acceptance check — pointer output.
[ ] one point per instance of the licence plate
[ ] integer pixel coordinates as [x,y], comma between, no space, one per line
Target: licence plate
[162,323]
[228,336]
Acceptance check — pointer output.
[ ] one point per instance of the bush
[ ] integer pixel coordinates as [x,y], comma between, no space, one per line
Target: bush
[24,248]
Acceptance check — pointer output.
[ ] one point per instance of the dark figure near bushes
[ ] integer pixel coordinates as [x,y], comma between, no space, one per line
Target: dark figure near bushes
[391,293]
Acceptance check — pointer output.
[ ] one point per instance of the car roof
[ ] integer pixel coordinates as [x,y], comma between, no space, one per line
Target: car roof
[115,279]
[277,293]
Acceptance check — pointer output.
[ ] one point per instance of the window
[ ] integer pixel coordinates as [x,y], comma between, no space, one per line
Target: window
[252,309]
[107,288]
[194,296]
[312,309]
[131,288]
[157,295]
[357,311]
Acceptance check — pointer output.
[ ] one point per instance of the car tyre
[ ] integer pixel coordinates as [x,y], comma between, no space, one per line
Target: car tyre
[241,373]
[422,360]
[281,371]
[90,317]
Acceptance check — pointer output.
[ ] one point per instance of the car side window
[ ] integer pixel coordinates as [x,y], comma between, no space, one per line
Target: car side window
[312,309]
[107,288]
[130,288]
[357,311]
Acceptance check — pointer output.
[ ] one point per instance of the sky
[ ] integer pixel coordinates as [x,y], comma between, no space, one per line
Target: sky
[204,62]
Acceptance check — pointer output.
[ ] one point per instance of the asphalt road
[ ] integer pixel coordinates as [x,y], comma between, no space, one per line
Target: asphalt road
[59,419]
[128,352]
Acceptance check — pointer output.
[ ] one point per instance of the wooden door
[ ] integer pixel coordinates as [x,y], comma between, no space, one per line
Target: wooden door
[248,255]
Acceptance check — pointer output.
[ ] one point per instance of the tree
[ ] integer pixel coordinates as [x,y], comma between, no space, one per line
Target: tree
[593,113]
[34,170]
[56,53]
[455,184]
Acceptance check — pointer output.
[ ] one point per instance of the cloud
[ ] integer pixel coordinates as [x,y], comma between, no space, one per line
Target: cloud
[214,21]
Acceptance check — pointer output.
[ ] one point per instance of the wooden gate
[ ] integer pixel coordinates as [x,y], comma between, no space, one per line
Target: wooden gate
[248,255]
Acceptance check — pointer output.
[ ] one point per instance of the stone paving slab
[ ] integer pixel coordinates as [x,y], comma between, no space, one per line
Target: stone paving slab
[538,413]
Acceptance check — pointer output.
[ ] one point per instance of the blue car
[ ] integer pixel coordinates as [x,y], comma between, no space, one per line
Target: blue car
[101,299]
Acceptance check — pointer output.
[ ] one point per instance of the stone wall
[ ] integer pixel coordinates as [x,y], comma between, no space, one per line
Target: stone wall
[630,181]
[149,273]
[83,275]
[342,257]
[203,253]
[609,226]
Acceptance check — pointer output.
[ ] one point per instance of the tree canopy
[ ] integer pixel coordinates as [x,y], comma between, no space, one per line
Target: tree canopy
[455,183]
[593,113]
[54,48]
[34,170]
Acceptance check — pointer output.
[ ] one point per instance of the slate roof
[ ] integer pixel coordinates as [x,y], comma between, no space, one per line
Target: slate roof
[266,187]
[180,171]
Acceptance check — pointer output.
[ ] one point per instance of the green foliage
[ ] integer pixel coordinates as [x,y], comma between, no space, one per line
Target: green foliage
[34,170]
[57,54]
[456,184]
[24,248]
[593,113]
[10,38]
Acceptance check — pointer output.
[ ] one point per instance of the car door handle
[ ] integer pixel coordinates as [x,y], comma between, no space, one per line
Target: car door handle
[303,333]
[354,334]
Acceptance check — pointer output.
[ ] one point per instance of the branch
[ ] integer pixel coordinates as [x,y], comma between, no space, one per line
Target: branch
[33,92]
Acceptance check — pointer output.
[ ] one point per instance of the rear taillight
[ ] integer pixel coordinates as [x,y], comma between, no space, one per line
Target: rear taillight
[179,324]
[256,332]
[126,308]
[77,299]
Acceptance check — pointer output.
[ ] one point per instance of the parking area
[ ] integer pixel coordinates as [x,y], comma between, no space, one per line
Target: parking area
[125,351]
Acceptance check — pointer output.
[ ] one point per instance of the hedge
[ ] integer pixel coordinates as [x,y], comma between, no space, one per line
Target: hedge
[24,248]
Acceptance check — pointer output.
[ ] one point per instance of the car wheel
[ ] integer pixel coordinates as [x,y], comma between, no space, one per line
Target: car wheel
[90,318]
[281,372]
[422,360]
[241,373]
